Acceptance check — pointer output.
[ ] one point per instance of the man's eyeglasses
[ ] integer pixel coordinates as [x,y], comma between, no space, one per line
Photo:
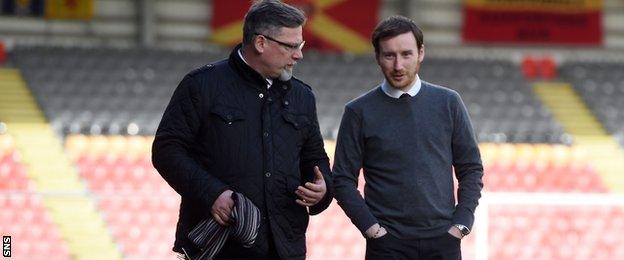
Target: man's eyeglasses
[290,47]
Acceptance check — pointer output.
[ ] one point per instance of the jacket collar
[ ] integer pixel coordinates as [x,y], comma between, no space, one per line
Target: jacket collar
[244,70]
[250,75]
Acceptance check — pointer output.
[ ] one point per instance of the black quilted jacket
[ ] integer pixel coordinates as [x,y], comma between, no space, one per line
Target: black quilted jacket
[224,130]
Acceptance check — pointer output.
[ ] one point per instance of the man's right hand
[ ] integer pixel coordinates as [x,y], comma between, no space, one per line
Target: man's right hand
[222,207]
[375,231]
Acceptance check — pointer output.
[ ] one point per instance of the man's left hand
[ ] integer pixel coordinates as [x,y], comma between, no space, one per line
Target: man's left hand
[312,193]
[454,231]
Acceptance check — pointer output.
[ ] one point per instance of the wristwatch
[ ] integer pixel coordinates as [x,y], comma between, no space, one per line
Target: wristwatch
[462,229]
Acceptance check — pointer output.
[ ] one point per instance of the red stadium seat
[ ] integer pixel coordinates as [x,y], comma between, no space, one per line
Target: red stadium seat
[522,168]
[529,67]
[13,174]
[557,232]
[34,233]
[144,223]
[548,67]
[3,55]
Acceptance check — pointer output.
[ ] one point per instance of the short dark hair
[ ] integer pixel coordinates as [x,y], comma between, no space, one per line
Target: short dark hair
[396,25]
[268,17]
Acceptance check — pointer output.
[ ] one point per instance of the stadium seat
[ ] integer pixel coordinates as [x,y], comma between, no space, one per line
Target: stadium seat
[3,55]
[33,233]
[548,67]
[529,67]
[557,232]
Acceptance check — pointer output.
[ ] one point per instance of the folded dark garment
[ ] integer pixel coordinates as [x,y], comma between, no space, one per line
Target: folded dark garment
[210,236]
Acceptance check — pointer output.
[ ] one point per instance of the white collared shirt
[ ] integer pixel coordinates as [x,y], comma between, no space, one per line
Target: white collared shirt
[396,93]
[269,81]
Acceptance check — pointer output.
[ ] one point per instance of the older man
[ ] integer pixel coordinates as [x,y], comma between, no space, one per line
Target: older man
[245,125]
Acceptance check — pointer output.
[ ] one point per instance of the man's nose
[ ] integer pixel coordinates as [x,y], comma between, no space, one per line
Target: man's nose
[297,55]
[398,64]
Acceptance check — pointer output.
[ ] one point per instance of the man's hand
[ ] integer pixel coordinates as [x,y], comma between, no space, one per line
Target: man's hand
[375,231]
[312,193]
[454,231]
[222,207]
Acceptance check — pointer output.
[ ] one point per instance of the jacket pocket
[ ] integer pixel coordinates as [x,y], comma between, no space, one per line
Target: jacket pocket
[297,125]
[229,115]
[228,134]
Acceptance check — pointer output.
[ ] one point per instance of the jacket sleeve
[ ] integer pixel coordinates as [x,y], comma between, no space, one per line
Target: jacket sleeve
[347,166]
[313,154]
[468,166]
[172,148]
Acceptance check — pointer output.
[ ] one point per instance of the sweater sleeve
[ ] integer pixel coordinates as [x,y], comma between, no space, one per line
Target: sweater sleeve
[467,164]
[171,150]
[346,170]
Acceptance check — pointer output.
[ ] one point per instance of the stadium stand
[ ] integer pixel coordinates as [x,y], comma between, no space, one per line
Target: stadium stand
[105,91]
[23,215]
[538,168]
[53,175]
[124,91]
[601,85]
[138,206]
[501,103]
[32,231]
[107,103]
[556,232]
[515,168]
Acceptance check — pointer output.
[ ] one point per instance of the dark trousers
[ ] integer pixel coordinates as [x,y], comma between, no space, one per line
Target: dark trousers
[445,247]
[237,252]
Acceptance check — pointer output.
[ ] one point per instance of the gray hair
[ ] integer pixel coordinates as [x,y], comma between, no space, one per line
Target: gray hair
[268,17]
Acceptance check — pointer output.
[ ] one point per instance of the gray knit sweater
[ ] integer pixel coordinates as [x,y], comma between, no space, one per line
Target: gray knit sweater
[407,149]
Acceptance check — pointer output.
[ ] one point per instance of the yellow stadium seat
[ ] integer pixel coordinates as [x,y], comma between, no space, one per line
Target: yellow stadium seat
[7,145]
[98,145]
[543,152]
[525,152]
[506,154]
[488,151]
[118,144]
[561,155]
[76,145]
[138,147]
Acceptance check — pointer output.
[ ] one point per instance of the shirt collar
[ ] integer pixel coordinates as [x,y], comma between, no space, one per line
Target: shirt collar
[269,81]
[396,93]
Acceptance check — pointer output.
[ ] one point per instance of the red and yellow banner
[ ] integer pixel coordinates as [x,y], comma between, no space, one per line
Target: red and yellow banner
[577,22]
[332,25]
[69,9]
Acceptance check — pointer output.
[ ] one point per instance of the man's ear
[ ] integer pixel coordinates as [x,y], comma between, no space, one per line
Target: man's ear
[421,54]
[259,44]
